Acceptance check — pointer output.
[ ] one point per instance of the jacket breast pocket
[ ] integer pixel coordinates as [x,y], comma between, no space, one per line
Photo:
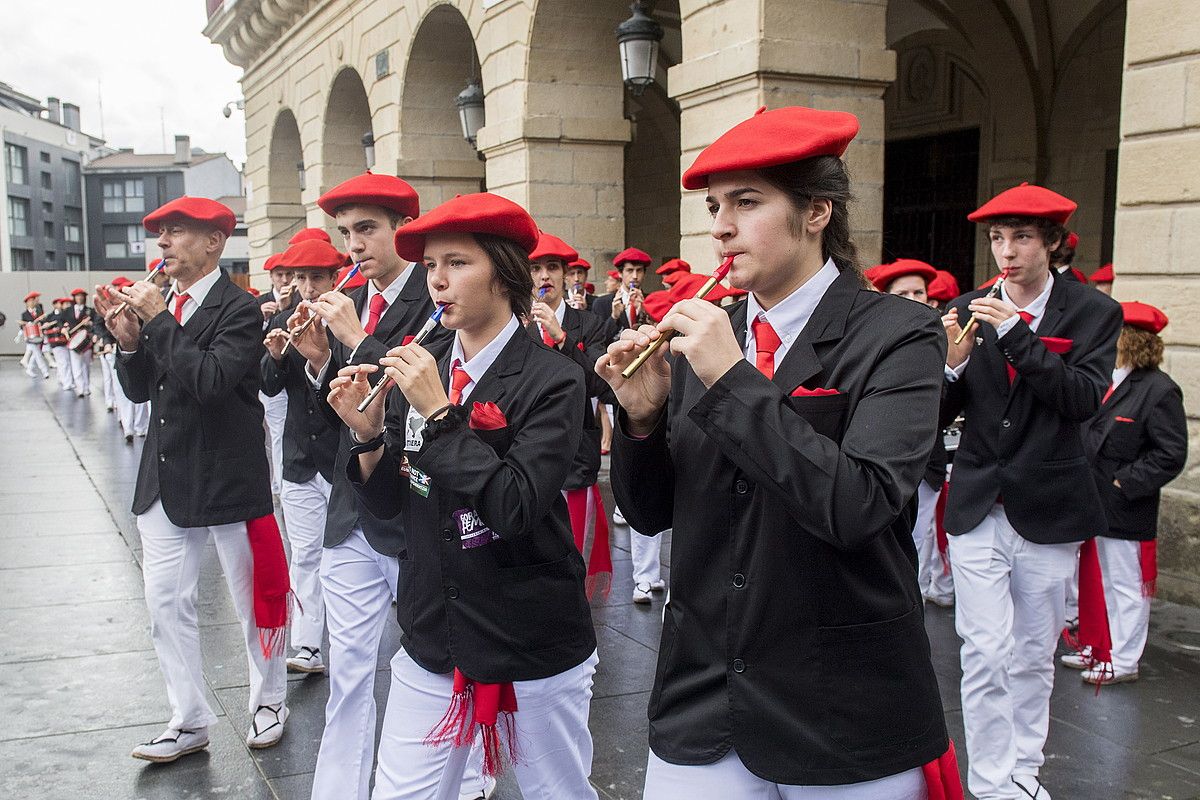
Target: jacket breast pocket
[499,439]
[1123,443]
[826,413]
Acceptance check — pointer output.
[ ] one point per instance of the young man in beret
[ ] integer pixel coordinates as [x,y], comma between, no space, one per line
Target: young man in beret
[134,417]
[575,280]
[195,359]
[1103,279]
[359,565]
[1021,499]
[35,362]
[56,339]
[76,317]
[282,298]
[624,305]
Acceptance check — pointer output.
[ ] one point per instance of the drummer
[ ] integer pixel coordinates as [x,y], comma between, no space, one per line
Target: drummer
[31,333]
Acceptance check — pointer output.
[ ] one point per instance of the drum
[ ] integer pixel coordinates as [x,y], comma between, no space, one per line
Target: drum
[32,332]
[80,340]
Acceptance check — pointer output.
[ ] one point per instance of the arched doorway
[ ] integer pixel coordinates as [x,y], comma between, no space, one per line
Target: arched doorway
[285,208]
[434,156]
[347,120]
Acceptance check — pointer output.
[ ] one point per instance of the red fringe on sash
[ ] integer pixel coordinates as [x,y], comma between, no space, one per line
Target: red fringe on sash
[942,778]
[271,584]
[491,706]
[586,509]
[943,542]
[1149,563]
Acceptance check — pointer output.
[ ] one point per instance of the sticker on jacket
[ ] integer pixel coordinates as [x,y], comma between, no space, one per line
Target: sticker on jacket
[471,529]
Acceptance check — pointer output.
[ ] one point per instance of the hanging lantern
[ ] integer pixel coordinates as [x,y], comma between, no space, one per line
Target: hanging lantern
[368,143]
[638,38]
[470,110]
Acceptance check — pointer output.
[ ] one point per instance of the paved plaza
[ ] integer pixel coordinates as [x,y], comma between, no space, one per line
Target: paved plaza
[79,682]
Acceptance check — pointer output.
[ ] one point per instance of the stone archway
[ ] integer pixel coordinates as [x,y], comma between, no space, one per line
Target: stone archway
[347,118]
[285,208]
[434,156]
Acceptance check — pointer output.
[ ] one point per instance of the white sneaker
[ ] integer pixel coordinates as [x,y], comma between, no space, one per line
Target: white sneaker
[658,585]
[171,744]
[941,601]
[618,517]
[1031,786]
[1082,660]
[307,659]
[1103,673]
[641,593]
[266,729]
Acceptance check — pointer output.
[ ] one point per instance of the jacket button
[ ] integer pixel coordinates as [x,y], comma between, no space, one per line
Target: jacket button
[739,580]
[162,421]
[310,411]
[452,593]
[1005,423]
[447,534]
[741,487]
[160,387]
[739,666]
[312,436]
[161,457]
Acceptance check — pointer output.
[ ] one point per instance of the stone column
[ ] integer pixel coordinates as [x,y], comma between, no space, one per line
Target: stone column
[827,54]
[1157,235]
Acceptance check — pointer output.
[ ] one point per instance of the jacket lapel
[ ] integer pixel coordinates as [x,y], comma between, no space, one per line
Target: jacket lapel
[827,323]
[207,313]
[497,381]
[1055,306]
[397,313]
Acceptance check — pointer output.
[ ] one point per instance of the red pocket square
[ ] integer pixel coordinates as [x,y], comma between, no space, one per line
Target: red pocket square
[1056,345]
[487,417]
[800,391]
[407,340]
[1124,419]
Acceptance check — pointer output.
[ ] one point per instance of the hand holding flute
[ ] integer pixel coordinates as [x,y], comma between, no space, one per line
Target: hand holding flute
[149,275]
[396,360]
[308,323]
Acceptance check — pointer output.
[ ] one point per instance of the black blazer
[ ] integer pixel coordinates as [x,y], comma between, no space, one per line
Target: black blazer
[1022,442]
[204,454]
[603,308]
[513,608]
[794,633]
[587,339]
[70,319]
[1139,437]
[400,320]
[310,443]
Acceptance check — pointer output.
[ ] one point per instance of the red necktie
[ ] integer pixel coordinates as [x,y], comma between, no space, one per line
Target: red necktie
[458,381]
[180,300]
[766,342]
[378,304]
[632,315]
[1027,318]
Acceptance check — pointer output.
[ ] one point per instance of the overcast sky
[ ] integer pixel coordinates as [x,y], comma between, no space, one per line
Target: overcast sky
[147,60]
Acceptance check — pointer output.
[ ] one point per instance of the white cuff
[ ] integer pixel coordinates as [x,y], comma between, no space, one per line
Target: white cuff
[1007,325]
[320,376]
[954,373]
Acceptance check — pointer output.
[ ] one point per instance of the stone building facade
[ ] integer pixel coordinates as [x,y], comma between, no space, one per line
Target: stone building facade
[958,99]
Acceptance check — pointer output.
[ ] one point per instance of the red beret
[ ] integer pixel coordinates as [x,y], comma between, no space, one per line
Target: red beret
[355,282]
[1103,275]
[61,300]
[673,265]
[1072,240]
[32,296]
[307,234]
[469,213]
[870,272]
[197,209]
[616,276]
[272,261]
[1026,200]
[549,246]
[311,254]
[154,264]
[579,263]
[1145,316]
[944,287]
[632,254]
[78,291]
[590,288]
[771,138]
[886,273]
[121,281]
[369,189]
[253,292]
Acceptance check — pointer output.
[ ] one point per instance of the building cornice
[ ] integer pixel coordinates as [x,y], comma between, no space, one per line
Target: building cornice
[247,28]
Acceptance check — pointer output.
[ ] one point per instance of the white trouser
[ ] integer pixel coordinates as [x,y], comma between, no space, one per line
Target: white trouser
[81,371]
[554,745]
[1009,613]
[304,508]
[62,358]
[1071,611]
[108,366]
[275,411]
[171,561]
[729,778]
[646,552]
[924,531]
[358,586]
[135,417]
[1128,610]
[35,362]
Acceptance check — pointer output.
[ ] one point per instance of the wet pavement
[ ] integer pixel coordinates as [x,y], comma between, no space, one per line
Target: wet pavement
[79,682]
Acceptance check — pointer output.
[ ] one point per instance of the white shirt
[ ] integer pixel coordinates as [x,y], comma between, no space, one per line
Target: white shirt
[196,294]
[1037,308]
[791,314]
[478,366]
[1119,376]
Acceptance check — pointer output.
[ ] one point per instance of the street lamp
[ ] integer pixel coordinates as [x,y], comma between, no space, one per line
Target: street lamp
[368,143]
[638,38]
[240,105]
[300,172]
[470,110]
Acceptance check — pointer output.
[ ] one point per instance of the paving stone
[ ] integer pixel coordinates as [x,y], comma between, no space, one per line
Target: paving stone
[70,584]
[68,549]
[70,631]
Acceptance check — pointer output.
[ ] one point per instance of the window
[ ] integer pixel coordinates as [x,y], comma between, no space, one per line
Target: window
[18,216]
[74,181]
[71,231]
[48,229]
[50,256]
[161,185]
[74,262]
[122,241]
[22,259]
[14,163]
[48,209]
[124,196]
[47,182]
[45,158]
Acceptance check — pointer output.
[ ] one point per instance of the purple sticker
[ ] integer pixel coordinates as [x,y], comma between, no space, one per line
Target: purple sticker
[471,529]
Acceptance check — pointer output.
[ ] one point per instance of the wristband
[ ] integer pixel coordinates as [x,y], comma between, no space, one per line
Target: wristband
[358,447]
